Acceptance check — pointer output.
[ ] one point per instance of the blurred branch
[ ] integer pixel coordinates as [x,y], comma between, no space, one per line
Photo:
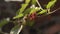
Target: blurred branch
[54,11]
[39,4]
[20,29]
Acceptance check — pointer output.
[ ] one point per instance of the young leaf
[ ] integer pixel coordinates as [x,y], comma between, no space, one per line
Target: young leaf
[42,12]
[27,11]
[21,11]
[23,8]
[3,22]
[51,3]
[18,16]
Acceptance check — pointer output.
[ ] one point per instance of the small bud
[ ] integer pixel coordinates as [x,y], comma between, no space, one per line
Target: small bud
[33,6]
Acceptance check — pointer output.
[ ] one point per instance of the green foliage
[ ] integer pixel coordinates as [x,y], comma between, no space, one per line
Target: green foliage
[20,12]
[27,1]
[23,12]
[3,22]
[51,3]
[18,16]
[27,11]
[23,8]
[33,2]
[33,10]
[42,12]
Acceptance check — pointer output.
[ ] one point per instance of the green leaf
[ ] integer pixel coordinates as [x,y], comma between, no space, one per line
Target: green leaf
[27,1]
[33,2]
[51,3]
[3,22]
[23,8]
[15,29]
[17,12]
[20,11]
[18,16]
[32,11]
[42,12]
[27,11]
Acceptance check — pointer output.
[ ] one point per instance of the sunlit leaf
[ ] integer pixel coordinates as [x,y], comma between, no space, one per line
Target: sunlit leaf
[3,22]
[42,12]
[20,11]
[18,16]
[23,8]
[27,1]
[51,3]
[27,11]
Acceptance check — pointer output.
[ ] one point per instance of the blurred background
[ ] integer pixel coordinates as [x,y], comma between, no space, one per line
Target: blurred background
[49,24]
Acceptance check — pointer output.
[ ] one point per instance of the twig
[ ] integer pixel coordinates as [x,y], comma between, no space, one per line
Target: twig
[20,29]
[39,4]
[53,11]
[23,23]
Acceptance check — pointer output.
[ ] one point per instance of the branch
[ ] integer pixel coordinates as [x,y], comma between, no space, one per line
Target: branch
[20,29]
[54,11]
[39,4]
[23,23]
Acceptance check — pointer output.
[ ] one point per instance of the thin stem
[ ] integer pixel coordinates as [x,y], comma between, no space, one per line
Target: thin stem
[53,11]
[39,4]
[23,23]
[48,10]
[20,29]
